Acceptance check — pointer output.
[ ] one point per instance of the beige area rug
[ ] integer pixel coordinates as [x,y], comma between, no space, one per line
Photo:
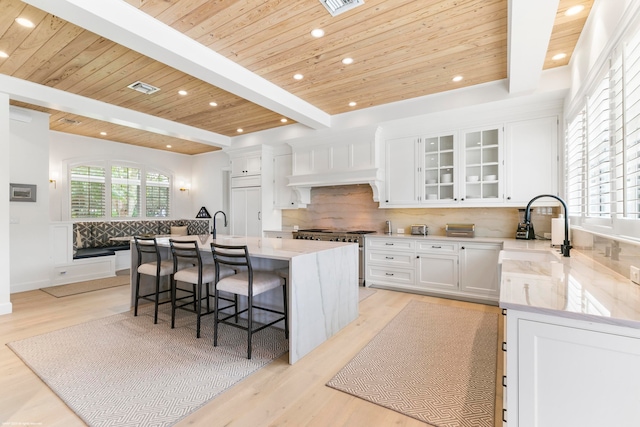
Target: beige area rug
[125,371]
[87,286]
[431,362]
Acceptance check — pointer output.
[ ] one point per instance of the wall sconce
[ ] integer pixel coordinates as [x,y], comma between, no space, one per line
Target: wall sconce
[54,179]
[185,187]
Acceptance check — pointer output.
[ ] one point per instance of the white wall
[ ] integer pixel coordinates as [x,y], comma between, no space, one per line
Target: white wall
[5,161]
[209,186]
[66,148]
[31,260]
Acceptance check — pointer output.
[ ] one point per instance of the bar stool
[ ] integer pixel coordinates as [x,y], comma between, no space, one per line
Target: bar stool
[248,283]
[147,247]
[197,274]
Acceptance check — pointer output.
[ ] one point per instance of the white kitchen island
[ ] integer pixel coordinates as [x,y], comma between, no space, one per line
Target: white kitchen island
[322,286]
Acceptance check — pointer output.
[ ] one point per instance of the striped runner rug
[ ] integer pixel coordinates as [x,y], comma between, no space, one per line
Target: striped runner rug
[431,362]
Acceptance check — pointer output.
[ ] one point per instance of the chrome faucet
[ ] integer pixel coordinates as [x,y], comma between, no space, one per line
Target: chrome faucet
[565,248]
[214,222]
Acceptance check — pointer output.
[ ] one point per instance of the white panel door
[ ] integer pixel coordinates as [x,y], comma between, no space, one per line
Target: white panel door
[531,158]
[402,172]
[575,377]
[438,272]
[479,269]
[246,211]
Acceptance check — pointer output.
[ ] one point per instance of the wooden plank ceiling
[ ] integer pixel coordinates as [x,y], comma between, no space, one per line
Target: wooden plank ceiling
[401,50]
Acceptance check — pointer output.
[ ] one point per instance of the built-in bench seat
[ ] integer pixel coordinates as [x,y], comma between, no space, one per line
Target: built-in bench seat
[96,252]
[95,238]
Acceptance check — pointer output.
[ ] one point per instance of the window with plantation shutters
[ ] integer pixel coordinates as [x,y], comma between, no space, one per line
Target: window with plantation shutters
[157,189]
[119,191]
[125,192]
[575,154]
[87,192]
[632,128]
[599,187]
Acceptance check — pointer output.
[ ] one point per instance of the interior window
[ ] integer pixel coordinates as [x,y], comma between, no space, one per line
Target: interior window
[87,192]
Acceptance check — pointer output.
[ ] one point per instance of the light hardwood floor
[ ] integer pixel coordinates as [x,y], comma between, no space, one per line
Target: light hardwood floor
[277,395]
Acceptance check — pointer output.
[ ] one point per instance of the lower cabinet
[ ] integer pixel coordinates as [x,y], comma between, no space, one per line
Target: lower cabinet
[566,372]
[448,267]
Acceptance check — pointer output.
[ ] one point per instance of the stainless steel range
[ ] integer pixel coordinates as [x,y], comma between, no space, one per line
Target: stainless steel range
[353,236]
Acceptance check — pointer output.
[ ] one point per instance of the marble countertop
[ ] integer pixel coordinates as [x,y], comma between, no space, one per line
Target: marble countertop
[536,278]
[262,247]
[542,281]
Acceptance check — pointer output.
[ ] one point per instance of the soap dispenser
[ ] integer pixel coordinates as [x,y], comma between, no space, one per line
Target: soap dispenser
[388,228]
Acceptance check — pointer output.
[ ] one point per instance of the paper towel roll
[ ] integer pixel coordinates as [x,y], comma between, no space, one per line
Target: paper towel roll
[557,230]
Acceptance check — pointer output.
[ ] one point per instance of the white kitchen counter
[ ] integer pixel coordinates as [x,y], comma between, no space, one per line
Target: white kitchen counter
[576,287]
[322,283]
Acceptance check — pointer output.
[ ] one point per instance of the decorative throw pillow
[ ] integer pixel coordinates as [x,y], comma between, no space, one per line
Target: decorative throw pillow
[179,231]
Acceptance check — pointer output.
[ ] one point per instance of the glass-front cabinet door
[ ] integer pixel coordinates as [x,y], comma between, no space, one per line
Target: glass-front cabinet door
[439,169]
[482,165]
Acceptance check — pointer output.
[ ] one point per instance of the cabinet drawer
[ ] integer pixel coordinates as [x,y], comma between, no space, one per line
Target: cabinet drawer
[391,244]
[393,275]
[437,247]
[390,259]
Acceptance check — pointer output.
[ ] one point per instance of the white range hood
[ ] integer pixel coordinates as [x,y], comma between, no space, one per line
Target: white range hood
[352,158]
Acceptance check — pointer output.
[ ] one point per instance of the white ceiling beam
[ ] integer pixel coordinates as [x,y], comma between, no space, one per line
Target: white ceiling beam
[48,97]
[529,31]
[128,26]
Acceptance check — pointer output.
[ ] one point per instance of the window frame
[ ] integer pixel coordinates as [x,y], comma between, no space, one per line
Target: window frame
[107,165]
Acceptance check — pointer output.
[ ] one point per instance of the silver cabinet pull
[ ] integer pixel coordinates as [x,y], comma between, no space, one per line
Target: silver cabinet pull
[389,244]
[436,247]
[389,257]
[389,274]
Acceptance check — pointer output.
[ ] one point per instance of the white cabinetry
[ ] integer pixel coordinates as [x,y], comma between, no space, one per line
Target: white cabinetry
[479,270]
[389,262]
[567,372]
[402,172]
[531,158]
[246,208]
[252,206]
[437,266]
[246,165]
[284,197]
[482,159]
[447,267]
[503,164]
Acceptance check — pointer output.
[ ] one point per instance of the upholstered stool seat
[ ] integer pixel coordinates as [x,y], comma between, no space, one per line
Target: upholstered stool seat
[147,247]
[189,268]
[247,283]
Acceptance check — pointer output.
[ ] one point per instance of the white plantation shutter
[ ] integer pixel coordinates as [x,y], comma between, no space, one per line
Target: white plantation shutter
[157,194]
[87,192]
[617,134]
[575,168]
[632,128]
[125,192]
[599,186]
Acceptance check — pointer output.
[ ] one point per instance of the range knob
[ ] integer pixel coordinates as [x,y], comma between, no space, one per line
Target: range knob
[344,240]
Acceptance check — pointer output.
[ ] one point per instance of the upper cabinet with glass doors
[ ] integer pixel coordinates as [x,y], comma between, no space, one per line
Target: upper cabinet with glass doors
[439,167]
[482,169]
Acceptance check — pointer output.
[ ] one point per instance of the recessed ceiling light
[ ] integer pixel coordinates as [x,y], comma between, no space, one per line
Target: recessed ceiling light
[347,61]
[25,22]
[3,54]
[559,56]
[240,130]
[298,76]
[168,146]
[457,78]
[103,133]
[574,10]
[213,104]
[283,120]
[352,104]
[317,33]
[182,92]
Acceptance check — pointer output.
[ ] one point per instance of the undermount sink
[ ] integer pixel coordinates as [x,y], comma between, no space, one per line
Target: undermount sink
[525,255]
